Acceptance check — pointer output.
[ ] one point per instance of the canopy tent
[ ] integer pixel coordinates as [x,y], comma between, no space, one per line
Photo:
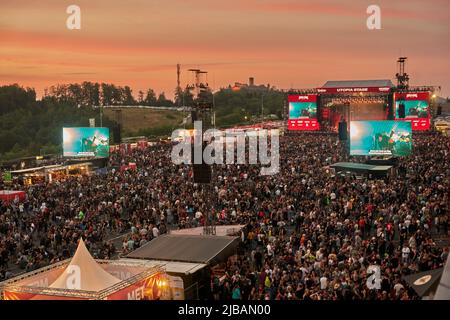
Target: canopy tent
[8,195]
[83,278]
[84,273]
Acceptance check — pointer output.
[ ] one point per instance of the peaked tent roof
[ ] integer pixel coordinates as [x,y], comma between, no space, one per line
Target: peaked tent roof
[358,83]
[92,276]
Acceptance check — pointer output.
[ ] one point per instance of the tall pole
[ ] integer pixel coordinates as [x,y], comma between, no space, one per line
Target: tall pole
[179,83]
[262,106]
[100,102]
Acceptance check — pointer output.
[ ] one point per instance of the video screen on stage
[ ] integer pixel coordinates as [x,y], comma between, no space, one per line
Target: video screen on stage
[86,142]
[303,112]
[416,105]
[413,108]
[376,138]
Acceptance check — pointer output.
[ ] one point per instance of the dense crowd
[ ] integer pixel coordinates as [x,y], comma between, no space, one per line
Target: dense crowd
[340,226]
[310,234]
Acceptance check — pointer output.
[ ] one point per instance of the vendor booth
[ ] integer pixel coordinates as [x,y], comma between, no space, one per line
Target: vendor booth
[32,176]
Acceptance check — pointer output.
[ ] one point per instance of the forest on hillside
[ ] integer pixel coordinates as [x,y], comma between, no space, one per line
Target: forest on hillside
[31,126]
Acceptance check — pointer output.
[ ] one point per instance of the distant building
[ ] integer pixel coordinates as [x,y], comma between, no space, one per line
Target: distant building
[250,86]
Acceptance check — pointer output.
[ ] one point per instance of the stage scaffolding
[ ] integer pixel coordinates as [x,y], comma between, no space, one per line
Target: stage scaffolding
[13,285]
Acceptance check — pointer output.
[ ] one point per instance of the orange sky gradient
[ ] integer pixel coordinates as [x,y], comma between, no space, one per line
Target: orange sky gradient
[287,43]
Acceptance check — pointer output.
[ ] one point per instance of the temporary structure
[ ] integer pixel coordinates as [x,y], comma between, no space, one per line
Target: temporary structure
[83,278]
[84,273]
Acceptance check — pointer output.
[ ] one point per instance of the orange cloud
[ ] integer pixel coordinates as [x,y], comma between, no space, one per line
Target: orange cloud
[300,43]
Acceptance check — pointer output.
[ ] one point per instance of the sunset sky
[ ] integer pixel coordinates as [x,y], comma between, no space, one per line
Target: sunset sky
[287,43]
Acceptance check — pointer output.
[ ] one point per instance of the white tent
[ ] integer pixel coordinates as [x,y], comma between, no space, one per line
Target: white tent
[84,273]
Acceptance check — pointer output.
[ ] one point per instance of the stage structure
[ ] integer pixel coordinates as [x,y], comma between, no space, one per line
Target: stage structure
[337,103]
[84,278]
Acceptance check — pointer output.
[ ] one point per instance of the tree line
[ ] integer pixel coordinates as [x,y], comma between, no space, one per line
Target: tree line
[29,126]
[95,94]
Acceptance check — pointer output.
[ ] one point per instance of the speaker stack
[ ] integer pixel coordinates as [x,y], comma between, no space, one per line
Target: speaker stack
[343,130]
[401,110]
[202,172]
[391,107]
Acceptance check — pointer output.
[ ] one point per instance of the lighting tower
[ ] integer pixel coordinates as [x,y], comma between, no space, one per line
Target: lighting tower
[202,110]
[401,75]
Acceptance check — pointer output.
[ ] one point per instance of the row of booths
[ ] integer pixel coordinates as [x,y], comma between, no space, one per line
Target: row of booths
[55,172]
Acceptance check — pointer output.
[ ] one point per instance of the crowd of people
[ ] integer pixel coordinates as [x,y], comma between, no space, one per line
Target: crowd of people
[340,226]
[310,234]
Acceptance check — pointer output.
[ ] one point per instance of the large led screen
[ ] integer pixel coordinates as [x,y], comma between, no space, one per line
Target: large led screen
[86,142]
[413,108]
[375,138]
[303,112]
[416,105]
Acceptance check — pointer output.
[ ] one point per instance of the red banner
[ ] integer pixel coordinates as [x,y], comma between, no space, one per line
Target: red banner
[412,96]
[418,124]
[302,98]
[354,89]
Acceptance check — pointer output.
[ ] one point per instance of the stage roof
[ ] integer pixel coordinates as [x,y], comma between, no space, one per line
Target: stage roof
[92,276]
[362,166]
[187,248]
[358,83]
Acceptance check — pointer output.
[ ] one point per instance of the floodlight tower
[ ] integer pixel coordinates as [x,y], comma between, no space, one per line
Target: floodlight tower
[401,75]
[198,85]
